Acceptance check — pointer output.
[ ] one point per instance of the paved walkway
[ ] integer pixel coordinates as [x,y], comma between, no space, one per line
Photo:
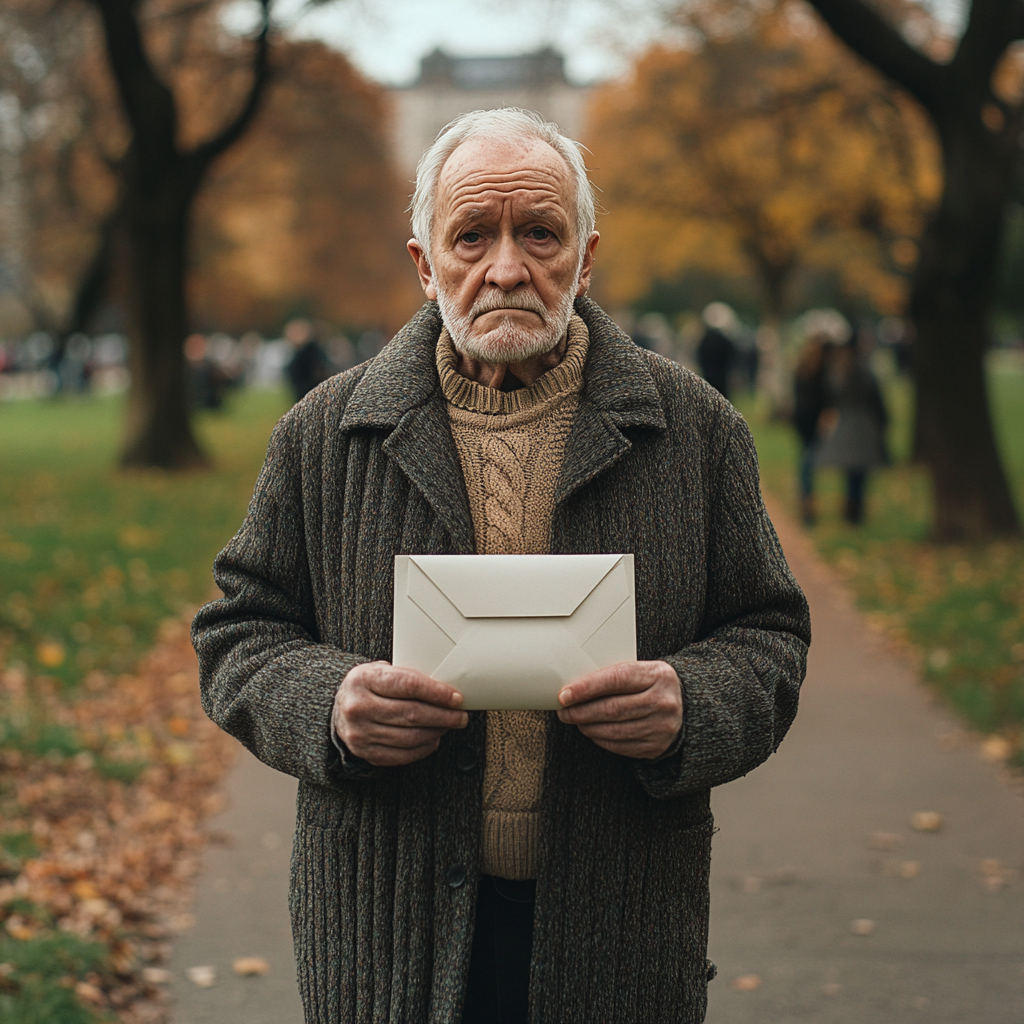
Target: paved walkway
[814,840]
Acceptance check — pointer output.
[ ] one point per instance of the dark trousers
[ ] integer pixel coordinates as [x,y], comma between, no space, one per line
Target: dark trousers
[499,966]
[856,485]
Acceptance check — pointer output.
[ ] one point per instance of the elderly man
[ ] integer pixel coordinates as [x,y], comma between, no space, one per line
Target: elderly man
[504,866]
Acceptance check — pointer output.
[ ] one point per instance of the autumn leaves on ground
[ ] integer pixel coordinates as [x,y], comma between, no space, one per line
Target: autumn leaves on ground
[108,765]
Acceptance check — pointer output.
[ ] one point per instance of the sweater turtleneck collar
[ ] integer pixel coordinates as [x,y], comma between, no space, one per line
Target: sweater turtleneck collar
[565,378]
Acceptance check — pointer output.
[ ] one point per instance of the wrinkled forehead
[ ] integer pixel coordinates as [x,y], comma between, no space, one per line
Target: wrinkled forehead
[487,169]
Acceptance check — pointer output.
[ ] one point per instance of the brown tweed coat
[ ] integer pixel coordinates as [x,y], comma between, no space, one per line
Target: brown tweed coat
[384,863]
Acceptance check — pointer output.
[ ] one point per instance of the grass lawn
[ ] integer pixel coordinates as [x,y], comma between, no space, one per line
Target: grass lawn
[958,608]
[93,563]
[91,558]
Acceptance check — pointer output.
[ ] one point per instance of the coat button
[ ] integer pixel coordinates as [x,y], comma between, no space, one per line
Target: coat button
[455,876]
[466,760]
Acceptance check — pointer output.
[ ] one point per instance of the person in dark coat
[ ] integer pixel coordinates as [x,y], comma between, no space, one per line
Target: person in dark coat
[504,866]
[309,365]
[856,442]
[716,352]
[810,399]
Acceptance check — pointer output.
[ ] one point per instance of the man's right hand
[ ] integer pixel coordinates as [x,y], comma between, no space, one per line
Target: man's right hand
[393,716]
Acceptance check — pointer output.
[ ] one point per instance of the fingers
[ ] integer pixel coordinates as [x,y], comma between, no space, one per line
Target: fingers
[405,684]
[624,677]
[634,708]
[391,716]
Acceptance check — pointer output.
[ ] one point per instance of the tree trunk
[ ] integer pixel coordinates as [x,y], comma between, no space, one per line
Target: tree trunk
[154,238]
[950,303]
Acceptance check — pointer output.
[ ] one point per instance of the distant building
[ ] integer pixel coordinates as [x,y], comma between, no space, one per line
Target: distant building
[449,86]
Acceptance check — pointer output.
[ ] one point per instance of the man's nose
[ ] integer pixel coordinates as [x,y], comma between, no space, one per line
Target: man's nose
[508,267]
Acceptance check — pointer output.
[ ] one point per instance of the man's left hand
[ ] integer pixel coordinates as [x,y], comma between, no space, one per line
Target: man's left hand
[633,708]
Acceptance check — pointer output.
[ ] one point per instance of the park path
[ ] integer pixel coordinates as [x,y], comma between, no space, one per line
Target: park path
[817,838]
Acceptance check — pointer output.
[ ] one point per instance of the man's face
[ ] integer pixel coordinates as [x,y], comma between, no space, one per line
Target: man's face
[505,264]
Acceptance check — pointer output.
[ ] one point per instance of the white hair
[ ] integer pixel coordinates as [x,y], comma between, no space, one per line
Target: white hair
[507,124]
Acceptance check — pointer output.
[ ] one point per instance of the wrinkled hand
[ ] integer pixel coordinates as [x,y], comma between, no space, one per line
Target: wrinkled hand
[634,708]
[393,716]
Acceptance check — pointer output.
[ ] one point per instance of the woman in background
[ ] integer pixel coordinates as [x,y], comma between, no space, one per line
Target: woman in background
[857,442]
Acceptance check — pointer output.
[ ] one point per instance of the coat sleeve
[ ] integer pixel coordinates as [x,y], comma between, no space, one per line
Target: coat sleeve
[264,676]
[741,680]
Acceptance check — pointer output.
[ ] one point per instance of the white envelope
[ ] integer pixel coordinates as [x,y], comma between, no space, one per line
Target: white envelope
[509,631]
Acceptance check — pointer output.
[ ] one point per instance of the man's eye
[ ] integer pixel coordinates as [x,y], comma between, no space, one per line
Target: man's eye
[471,237]
[540,234]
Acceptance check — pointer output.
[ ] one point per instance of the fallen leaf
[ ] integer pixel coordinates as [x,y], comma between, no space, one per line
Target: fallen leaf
[910,869]
[996,749]
[90,993]
[249,966]
[50,653]
[862,926]
[746,983]
[926,821]
[991,868]
[156,975]
[203,976]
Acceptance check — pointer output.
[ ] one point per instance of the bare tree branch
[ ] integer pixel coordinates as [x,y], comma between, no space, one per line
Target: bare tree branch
[879,43]
[142,93]
[203,155]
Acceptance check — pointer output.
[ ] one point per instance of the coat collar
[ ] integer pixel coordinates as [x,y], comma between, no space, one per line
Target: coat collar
[400,392]
[617,380]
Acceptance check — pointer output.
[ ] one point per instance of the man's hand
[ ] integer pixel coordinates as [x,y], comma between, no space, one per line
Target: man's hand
[392,716]
[634,708]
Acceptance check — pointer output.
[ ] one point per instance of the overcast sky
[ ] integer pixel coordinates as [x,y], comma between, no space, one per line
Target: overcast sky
[387,38]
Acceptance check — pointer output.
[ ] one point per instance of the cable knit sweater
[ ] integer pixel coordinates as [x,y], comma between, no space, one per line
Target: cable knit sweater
[511,445]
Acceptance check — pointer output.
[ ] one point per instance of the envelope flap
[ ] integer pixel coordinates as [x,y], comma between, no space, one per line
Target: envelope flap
[515,586]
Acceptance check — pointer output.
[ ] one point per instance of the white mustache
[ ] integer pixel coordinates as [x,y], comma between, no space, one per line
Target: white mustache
[492,302]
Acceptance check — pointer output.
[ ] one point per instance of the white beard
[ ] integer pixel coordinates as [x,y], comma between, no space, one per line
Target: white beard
[510,341]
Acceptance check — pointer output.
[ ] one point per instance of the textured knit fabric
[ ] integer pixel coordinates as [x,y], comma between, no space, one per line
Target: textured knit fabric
[385,860]
[510,446]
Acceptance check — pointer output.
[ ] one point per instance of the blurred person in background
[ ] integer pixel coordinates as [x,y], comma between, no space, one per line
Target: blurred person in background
[854,424]
[208,383]
[309,365]
[716,352]
[504,866]
[75,368]
[810,399]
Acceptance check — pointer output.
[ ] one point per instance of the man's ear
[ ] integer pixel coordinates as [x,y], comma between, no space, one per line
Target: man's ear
[587,266]
[419,257]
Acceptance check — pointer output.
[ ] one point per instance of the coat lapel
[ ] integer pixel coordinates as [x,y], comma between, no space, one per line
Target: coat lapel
[618,392]
[400,393]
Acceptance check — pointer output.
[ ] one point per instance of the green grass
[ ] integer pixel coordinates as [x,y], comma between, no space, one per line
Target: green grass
[958,606]
[38,978]
[92,558]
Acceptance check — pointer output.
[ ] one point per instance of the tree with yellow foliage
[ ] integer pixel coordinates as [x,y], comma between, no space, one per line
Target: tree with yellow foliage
[757,145]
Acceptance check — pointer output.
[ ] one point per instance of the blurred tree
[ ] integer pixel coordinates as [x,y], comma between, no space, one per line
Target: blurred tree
[758,145]
[55,182]
[159,178]
[305,214]
[973,91]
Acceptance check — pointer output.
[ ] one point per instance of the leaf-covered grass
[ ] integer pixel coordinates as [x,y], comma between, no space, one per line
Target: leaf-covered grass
[41,978]
[959,608]
[92,558]
[95,565]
